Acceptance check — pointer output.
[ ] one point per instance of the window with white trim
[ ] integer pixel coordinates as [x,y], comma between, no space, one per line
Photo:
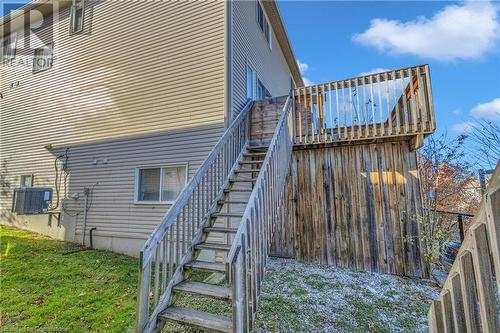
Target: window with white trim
[26,181]
[159,184]
[9,47]
[250,82]
[262,92]
[43,58]
[264,25]
[77,16]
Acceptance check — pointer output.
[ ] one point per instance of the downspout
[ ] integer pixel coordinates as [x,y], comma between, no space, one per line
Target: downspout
[86,192]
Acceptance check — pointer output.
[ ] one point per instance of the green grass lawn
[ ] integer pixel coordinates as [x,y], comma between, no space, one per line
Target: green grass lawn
[43,287]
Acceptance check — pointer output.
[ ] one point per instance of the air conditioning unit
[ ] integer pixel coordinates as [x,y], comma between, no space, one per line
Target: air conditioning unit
[31,200]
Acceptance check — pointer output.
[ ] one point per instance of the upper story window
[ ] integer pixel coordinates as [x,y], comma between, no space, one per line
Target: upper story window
[262,92]
[159,184]
[9,47]
[250,82]
[77,16]
[43,58]
[264,25]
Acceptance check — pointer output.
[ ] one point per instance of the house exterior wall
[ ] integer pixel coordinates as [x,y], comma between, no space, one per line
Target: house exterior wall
[142,85]
[249,45]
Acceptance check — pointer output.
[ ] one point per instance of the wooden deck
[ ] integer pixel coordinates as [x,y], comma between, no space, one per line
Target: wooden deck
[327,174]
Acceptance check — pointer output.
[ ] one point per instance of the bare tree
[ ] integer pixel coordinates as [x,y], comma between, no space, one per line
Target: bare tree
[449,184]
[484,143]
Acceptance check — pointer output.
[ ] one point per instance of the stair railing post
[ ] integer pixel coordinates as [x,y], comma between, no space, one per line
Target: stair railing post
[142,314]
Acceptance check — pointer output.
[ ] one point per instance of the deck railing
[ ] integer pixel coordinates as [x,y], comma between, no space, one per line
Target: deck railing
[468,301]
[247,257]
[387,104]
[171,243]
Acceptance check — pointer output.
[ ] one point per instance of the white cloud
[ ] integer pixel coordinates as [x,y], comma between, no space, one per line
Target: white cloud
[489,110]
[307,82]
[464,127]
[483,111]
[465,31]
[374,71]
[303,67]
[457,112]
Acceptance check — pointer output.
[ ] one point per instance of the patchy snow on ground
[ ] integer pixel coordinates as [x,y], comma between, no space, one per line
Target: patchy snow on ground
[298,297]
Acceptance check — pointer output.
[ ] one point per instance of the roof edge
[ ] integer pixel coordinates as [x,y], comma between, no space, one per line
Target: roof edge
[279,29]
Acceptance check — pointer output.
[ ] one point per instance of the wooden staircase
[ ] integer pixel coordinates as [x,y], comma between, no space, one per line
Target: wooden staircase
[210,252]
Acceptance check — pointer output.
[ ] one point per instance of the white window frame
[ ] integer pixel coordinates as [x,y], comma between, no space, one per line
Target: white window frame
[163,166]
[269,37]
[26,175]
[7,44]
[254,81]
[50,57]
[264,90]
[73,28]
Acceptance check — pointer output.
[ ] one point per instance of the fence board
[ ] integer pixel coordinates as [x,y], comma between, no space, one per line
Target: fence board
[471,279]
[349,207]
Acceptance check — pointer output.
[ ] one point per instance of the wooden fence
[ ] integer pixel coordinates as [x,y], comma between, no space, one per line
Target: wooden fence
[468,301]
[353,206]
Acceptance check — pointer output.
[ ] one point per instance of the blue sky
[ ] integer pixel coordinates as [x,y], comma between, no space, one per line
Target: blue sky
[460,41]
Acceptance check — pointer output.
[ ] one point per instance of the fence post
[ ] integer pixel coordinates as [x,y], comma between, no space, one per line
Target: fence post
[461,227]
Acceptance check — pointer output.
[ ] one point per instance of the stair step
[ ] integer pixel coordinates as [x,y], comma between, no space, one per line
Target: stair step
[257,147]
[254,154]
[220,230]
[247,170]
[206,266]
[228,190]
[251,162]
[213,246]
[243,180]
[204,289]
[227,215]
[231,202]
[197,318]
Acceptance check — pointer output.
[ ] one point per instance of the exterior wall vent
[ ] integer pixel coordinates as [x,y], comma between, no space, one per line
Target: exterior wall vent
[31,200]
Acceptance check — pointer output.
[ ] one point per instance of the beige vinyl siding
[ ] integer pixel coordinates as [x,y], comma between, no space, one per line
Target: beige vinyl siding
[151,71]
[113,211]
[250,45]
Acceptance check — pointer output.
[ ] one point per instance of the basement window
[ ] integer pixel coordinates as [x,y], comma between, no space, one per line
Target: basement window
[43,58]
[77,16]
[159,184]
